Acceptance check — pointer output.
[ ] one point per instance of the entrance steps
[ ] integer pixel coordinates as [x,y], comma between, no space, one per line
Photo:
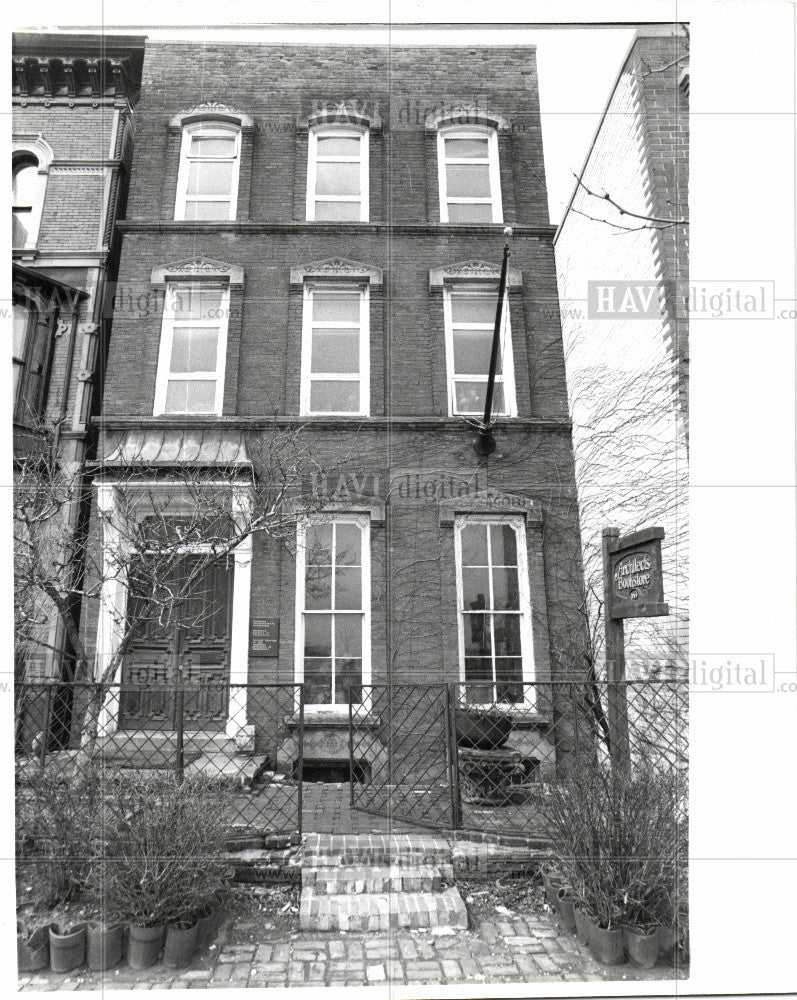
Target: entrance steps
[377,882]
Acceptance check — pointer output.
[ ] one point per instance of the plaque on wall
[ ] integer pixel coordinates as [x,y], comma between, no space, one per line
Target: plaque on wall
[265,637]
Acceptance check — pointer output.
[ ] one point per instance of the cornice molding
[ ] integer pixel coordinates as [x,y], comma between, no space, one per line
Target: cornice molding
[483,230]
[465,113]
[337,268]
[343,112]
[473,270]
[37,145]
[198,267]
[212,111]
[489,501]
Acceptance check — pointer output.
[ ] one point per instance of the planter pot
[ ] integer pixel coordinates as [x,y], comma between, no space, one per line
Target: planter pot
[33,950]
[667,938]
[565,907]
[607,944]
[67,950]
[482,730]
[207,925]
[643,949]
[144,945]
[105,946]
[552,886]
[582,923]
[181,945]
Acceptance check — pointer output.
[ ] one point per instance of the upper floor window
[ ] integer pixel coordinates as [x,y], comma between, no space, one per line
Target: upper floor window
[469,314]
[31,359]
[193,349]
[335,350]
[469,179]
[26,201]
[337,174]
[207,184]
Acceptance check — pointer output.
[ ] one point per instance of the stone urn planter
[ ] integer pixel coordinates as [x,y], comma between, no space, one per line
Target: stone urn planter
[145,945]
[181,944]
[482,730]
[642,945]
[105,945]
[33,948]
[67,947]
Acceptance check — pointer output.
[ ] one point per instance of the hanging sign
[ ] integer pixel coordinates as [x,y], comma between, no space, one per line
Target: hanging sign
[636,585]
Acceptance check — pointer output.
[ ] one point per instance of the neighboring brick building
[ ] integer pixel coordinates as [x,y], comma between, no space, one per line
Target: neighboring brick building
[345,296]
[627,362]
[71,144]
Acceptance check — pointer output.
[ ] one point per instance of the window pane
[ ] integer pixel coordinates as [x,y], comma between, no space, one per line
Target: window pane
[342,211]
[20,227]
[478,641]
[468,180]
[318,635]
[505,589]
[318,682]
[335,352]
[461,148]
[194,350]
[474,545]
[470,397]
[318,544]
[334,397]
[21,319]
[318,588]
[348,589]
[207,211]
[209,178]
[348,635]
[475,589]
[348,539]
[509,676]
[25,185]
[190,397]
[338,178]
[469,213]
[478,676]
[205,145]
[472,350]
[469,309]
[348,681]
[506,630]
[503,542]
[338,145]
[194,302]
[336,307]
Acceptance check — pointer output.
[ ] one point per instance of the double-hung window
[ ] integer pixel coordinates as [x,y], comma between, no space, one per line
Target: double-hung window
[468,175]
[494,609]
[335,350]
[469,315]
[333,605]
[207,183]
[31,359]
[26,202]
[193,349]
[337,174]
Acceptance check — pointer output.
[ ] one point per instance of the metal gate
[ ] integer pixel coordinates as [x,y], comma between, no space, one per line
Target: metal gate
[402,766]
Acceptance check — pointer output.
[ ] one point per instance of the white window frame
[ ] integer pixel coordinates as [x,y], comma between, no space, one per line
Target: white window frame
[24,158]
[346,132]
[470,132]
[363,521]
[507,376]
[169,323]
[310,288]
[518,523]
[207,130]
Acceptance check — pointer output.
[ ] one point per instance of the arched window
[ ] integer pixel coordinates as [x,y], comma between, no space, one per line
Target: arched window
[469,179]
[337,173]
[26,200]
[207,184]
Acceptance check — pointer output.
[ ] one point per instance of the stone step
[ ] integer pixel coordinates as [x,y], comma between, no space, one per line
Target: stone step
[375,849]
[381,911]
[331,880]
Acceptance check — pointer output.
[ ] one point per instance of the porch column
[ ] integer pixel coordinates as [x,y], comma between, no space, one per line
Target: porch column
[239,639]
[113,605]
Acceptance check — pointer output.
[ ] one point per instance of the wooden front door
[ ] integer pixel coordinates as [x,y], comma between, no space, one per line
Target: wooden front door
[191,651]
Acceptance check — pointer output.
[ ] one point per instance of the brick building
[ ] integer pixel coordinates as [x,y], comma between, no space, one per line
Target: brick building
[312,246]
[73,99]
[623,281]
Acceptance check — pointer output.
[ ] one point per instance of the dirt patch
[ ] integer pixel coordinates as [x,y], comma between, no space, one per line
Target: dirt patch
[258,909]
[503,897]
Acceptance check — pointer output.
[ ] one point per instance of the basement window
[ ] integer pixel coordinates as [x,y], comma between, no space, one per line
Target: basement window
[332,771]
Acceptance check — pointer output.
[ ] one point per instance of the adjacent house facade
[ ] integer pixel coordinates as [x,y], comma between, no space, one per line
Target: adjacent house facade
[311,254]
[622,264]
[72,107]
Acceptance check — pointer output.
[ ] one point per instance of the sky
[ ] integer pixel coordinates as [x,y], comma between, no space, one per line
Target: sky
[577,66]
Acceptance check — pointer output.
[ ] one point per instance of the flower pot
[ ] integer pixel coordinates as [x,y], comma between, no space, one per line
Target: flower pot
[33,950]
[482,730]
[643,948]
[607,944]
[582,923]
[207,925]
[552,886]
[67,949]
[105,945]
[565,907]
[180,945]
[667,935]
[144,945]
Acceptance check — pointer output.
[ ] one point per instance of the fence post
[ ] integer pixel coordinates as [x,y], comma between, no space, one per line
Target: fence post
[452,696]
[351,747]
[46,733]
[617,707]
[300,763]
[180,762]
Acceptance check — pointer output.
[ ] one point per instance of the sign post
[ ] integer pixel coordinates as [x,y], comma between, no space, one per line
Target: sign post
[632,588]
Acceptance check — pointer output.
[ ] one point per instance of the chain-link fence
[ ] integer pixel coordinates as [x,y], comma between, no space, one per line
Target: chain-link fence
[230,735]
